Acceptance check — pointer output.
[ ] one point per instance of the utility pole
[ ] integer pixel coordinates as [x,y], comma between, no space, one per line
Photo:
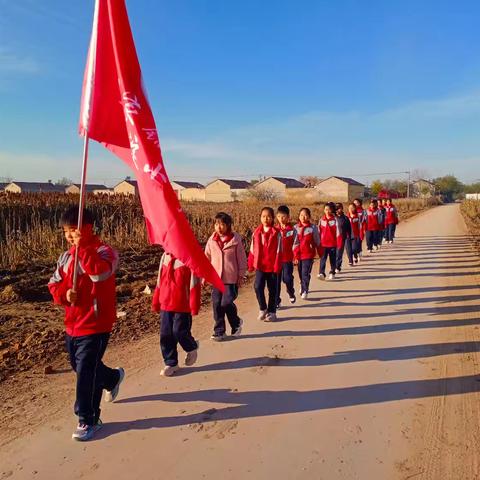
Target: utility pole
[408,184]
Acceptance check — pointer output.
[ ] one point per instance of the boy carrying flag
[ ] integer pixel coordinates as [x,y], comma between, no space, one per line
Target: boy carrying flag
[90,312]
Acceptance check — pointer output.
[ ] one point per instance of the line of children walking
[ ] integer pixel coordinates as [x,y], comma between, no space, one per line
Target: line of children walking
[90,305]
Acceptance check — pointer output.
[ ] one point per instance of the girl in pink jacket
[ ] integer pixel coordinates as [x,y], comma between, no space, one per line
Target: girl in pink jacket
[226,252]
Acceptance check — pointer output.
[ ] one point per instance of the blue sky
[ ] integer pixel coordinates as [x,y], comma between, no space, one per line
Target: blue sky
[247,88]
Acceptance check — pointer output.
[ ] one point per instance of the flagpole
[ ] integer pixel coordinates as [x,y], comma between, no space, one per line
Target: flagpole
[81,206]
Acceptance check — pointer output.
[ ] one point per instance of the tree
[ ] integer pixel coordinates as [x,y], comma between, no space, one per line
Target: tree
[449,187]
[376,187]
[472,188]
[64,181]
[310,181]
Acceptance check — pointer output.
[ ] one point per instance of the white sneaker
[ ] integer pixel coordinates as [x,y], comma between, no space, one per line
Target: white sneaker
[111,395]
[292,299]
[271,317]
[238,330]
[168,371]
[191,357]
[262,315]
[321,276]
[304,295]
[331,276]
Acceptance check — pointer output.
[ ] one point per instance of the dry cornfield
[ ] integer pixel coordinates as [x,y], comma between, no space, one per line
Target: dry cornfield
[29,231]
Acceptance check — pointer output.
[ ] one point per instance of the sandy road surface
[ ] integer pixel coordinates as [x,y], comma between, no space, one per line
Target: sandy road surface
[375,377]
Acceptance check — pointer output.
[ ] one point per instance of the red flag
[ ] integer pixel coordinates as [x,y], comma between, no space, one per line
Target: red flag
[115,111]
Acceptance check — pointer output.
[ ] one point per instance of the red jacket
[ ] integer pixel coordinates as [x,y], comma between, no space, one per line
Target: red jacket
[265,250]
[373,219]
[356,224]
[288,237]
[307,242]
[329,232]
[177,290]
[391,215]
[95,310]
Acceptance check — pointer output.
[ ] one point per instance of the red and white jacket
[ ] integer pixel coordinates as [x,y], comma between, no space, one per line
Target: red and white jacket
[362,213]
[288,239]
[329,232]
[307,242]
[391,215]
[177,290]
[265,250]
[356,224]
[95,310]
[373,221]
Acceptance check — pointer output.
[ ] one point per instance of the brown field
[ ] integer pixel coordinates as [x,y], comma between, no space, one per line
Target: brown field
[471,213]
[30,242]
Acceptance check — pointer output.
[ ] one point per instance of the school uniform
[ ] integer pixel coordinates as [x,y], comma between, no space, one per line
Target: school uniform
[177,298]
[89,322]
[344,235]
[391,222]
[382,231]
[373,227]
[354,245]
[362,213]
[330,240]
[305,247]
[265,258]
[288,234]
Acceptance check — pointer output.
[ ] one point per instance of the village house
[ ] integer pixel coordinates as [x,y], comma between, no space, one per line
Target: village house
[223,190]
[279,186]
[126,187]
[74,188]
[189,191]
[342,189]
[34,187]
[423,188]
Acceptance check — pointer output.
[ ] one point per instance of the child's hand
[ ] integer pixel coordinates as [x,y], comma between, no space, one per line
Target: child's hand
[77,237]
[295,261]
[71,296]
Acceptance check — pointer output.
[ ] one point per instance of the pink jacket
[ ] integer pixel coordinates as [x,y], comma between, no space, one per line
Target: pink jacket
[231,262]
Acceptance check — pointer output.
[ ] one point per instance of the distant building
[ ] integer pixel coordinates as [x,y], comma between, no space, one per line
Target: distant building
[34,187]
[189,191]
[278,186]
[423,188]
[126,187]
[340,188]
[472,196]
[90,188]
[223,190]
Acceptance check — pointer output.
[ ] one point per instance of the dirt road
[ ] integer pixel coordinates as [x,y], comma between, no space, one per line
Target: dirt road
[374,377]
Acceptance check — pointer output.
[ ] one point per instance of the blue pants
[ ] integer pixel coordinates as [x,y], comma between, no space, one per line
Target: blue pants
[85,354]
[305,272]
[223,304]
[339,255]
[354,247]
[176,327]
[390,232]
[331,254]
[372,238]
[286,276]
[270,280]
